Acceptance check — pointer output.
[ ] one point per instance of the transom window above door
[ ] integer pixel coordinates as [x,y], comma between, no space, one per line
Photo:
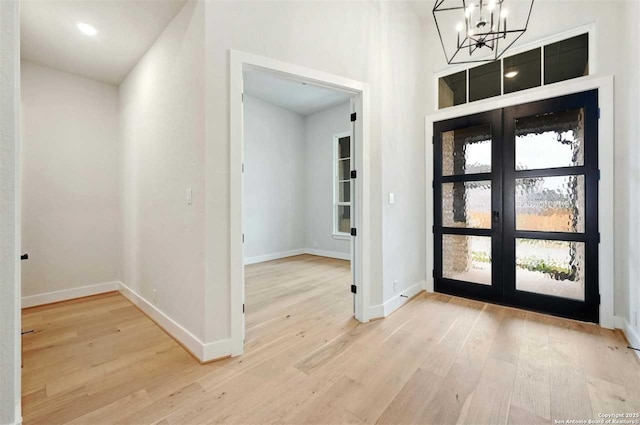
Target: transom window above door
[546,63]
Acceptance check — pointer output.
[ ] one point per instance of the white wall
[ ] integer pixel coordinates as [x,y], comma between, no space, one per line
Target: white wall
[319,131]
[402,151]
[70,195]
[616,54]
[288,180]
[10,322]
[274,184]
[357,38]
[162,107]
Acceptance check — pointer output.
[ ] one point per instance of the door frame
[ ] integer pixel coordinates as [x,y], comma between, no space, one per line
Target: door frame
[361,218]
[10,226]
[606,137]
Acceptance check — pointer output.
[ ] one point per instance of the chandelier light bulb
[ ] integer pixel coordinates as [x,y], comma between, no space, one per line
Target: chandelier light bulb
[492,5]
[469,10]
[459,27]
[504,13]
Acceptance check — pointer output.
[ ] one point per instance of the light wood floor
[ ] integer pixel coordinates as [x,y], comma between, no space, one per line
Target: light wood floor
[437,360]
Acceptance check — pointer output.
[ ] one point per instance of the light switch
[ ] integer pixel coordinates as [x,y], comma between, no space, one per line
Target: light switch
[392,198]
[189,197]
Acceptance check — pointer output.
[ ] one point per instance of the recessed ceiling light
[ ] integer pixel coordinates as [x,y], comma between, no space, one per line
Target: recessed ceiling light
[511,74]
[87,29]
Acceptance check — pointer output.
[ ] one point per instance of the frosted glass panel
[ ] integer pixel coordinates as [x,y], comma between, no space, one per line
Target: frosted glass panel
[551,204]
[467,204]
[551,267]
[466,151]
[550,140]
[467,258]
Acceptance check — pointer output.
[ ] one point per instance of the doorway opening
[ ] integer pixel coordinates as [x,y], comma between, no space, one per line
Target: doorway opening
[516,206]
[298,155]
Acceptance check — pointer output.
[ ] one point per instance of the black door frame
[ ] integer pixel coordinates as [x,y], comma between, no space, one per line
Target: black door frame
[456,287]
[503,177]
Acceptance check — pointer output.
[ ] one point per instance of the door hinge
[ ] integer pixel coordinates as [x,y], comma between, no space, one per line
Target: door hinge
[354,289]
[433,140]
[243,167]
[242,97]
[243,238]
[598,299]
[242,308]
[433,184]
[433,273]
[598,113]
[354,231]
[599,175]
[598,237]
[353,117]
[433,229]
[354,174]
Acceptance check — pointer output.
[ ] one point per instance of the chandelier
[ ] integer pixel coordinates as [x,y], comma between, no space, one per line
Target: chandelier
[480,30]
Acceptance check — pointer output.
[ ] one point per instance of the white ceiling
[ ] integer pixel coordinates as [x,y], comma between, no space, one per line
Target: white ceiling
[126,30]
[290,94]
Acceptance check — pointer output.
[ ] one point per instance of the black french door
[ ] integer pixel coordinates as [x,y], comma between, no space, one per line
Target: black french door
[516,206]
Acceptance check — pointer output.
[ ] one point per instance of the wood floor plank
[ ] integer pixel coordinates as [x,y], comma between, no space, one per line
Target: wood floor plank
[437,360]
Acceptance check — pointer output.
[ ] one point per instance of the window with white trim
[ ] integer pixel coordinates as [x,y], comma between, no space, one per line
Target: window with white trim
[342,184]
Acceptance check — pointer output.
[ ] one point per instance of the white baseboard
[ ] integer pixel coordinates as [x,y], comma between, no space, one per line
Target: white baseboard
[395,302]
[68,294]
[630,332]
[271,257]
[285,254]
[329,254]
[203,352]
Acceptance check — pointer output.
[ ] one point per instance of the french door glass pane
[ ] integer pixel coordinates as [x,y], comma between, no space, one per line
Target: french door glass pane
[466,150]
[344,169]
[550,140]
[344,148]
[551,267]
[467,204]
[551,204]
[345,192]
[344,219]
[467,258]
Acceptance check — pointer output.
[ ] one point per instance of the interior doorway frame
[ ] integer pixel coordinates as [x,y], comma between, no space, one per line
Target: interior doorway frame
[606,137]
[238,61]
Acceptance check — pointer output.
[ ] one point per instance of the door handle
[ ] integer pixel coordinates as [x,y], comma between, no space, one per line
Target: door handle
[496,217]
[24,257]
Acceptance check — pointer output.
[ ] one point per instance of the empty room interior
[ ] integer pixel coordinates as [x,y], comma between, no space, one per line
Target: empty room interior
[312,212]
[297,203]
